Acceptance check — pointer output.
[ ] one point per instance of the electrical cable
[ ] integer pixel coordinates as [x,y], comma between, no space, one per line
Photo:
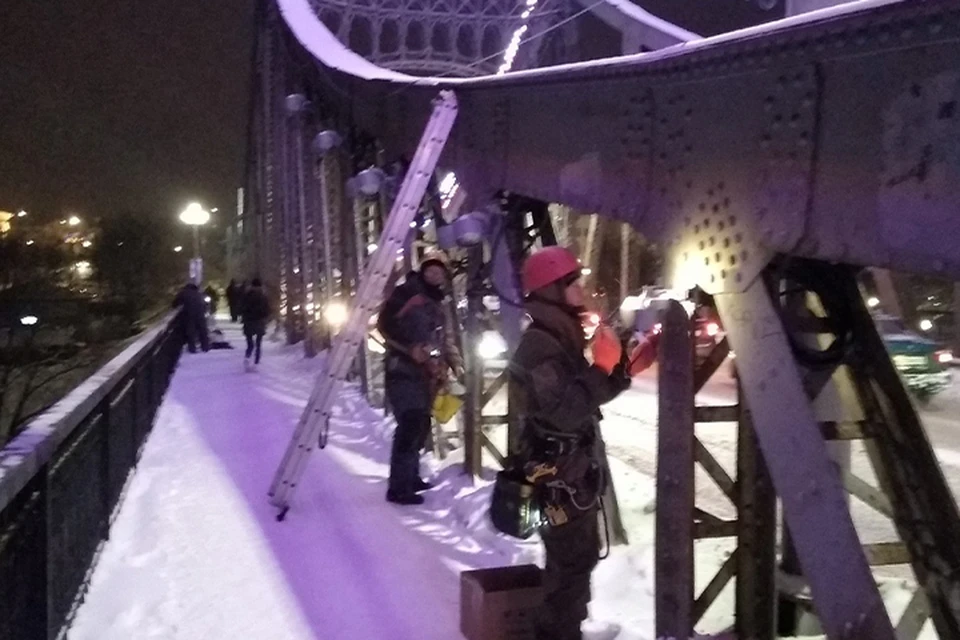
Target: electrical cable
[799,276]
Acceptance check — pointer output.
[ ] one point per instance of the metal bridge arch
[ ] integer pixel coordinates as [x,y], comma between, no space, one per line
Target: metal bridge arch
[440,37]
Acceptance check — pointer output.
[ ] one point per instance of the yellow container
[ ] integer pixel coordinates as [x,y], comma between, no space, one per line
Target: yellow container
[445,406]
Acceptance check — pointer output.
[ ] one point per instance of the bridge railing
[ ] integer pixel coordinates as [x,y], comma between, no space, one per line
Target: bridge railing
[61,481]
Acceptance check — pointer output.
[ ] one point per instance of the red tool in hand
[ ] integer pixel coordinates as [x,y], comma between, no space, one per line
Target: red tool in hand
[606,348]
[643,355]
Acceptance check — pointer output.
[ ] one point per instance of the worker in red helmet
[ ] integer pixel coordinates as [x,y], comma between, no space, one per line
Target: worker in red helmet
[559,393]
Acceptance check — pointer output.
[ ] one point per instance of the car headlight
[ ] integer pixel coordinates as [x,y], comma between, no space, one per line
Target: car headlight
[491,345]
[336,314]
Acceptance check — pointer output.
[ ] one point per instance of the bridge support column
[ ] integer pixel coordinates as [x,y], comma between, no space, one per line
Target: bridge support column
[814,502]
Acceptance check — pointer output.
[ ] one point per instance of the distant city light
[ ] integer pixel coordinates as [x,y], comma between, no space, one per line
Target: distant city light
[371,247]
[926,324]
[86,244]
[873,302]
[73,221]
[586,271]
[21,213]
[83,268]
[29,321]
[29,242]
[214,210]
[177,249]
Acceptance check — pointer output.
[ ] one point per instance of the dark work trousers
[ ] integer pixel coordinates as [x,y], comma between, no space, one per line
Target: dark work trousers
[253,343]
[412,427]
[572,553]
[196,331]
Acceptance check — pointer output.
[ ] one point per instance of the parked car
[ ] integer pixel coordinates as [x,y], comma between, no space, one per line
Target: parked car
[707,332]
[921,362]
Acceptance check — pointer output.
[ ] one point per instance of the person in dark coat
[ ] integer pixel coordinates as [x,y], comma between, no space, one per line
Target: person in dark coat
[417,364]
[234,299]
[256,311]
[194,317]
[559,394]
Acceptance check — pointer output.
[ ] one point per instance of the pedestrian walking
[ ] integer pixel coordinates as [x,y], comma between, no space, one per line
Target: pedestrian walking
[234,299]
[256,311]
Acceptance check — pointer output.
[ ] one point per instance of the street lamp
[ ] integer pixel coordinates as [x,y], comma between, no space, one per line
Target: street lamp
[73,221]
[195,216]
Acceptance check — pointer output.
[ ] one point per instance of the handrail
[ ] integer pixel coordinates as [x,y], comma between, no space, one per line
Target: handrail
[26,454]
[62,479]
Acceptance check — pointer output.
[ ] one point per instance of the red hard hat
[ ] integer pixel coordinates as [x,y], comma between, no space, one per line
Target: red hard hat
[547,266]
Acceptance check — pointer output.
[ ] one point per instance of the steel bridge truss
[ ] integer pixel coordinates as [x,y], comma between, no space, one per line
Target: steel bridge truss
[791,154]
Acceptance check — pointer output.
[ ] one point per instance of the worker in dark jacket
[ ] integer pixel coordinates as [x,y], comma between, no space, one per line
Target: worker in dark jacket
[193,312]
[417,365]
[559,393]
[255,310]
[234,299]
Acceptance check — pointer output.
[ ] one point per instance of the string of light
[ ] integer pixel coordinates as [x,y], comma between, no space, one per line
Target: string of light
[510,54]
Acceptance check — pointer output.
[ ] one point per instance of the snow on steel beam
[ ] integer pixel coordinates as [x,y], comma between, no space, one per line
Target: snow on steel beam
[831,135]
[640,28]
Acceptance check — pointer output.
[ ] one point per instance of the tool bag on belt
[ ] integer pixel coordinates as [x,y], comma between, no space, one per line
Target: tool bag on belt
[554,478]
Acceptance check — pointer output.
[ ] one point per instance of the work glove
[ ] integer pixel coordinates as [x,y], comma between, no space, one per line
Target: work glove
[643,355]
[606,349]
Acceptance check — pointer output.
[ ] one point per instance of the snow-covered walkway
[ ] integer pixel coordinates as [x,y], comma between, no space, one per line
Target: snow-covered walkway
[196,552]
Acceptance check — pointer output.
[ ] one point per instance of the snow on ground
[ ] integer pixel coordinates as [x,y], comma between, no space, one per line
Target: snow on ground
[196,552]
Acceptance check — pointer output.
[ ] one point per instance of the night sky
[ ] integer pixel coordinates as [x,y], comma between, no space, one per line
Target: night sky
[116,105]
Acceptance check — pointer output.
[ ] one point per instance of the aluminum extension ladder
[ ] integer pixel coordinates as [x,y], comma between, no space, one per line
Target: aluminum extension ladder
[316,416]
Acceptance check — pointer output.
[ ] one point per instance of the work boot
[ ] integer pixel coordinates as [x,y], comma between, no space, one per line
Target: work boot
[421,485]
[403,498]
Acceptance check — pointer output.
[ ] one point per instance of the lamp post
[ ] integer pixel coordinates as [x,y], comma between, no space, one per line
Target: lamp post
[195,216]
